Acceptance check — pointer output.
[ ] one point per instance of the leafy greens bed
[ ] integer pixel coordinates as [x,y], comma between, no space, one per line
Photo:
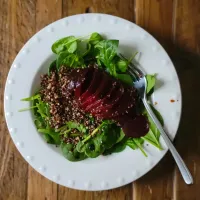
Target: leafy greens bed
[76,140]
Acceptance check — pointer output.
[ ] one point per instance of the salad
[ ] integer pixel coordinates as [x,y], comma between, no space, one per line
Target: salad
[86,103]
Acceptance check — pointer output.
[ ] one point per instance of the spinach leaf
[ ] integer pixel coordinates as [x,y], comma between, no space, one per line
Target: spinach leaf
[67,43]
[70,152]
[107,52]
[50,135]
[121,136]
[122,65]
[151,81]
[69,60]
[136,143]
[116,148]
[51,67]
[104,137]
[126,78]
[95,38]
[153,135]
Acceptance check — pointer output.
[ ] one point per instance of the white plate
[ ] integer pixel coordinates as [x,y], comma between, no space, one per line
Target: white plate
[104,172]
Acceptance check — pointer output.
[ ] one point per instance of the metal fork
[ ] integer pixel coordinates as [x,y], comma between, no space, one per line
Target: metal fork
[140,83]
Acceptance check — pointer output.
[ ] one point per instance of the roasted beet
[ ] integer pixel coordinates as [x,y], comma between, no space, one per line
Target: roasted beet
[96,79]
[136,127]
[107,98]
[101,91]
[83,82]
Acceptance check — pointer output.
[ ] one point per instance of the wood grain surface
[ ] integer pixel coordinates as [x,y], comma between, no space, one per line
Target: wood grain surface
[176,25]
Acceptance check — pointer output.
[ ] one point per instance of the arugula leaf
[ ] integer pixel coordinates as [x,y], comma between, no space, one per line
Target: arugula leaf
[67,43]
[31,98]
[74,125]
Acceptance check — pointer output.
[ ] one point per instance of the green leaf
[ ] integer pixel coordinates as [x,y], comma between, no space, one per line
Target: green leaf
[121,136]
[116,148]
[31,98]
[70,152]
[55,136]
[95,38]
[40,123]
[67,43]
[126,78]
[151,81]
[122,65]
[25,109]
[69,60]
[136,143]
[52,66]
[74,125]
[107,52]
[153,135]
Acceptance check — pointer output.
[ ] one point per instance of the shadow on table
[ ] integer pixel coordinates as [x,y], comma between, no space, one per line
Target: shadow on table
[187,140]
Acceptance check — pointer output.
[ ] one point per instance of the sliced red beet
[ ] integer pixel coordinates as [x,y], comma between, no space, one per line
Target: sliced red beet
[101,92]
[85,77]
[96,79]
[136,127]
[74,79]
[127,102]
[104,109]
[100,101]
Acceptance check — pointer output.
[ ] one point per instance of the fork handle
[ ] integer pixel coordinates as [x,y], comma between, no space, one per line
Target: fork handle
[179,161]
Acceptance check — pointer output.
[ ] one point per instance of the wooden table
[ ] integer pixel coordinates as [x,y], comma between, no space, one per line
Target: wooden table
[176,25]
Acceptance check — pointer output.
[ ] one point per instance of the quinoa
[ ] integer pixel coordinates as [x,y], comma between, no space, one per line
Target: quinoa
[63,106]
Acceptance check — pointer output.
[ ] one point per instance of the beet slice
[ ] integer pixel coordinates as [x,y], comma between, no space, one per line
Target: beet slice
[85,79]
[127,102]
[136,127]
[103,98]
[101,92]
[104,109]
[74,78]
[96,79]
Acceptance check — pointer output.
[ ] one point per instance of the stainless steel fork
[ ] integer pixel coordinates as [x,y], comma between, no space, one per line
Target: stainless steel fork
[140,83]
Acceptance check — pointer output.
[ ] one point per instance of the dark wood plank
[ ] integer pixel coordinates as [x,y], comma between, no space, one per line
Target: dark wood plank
[187,56]
[17,19]
[38,186]
[121,8]
[156,17]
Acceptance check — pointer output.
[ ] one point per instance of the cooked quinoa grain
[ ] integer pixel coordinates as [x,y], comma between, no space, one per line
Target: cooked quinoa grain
[62,105]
